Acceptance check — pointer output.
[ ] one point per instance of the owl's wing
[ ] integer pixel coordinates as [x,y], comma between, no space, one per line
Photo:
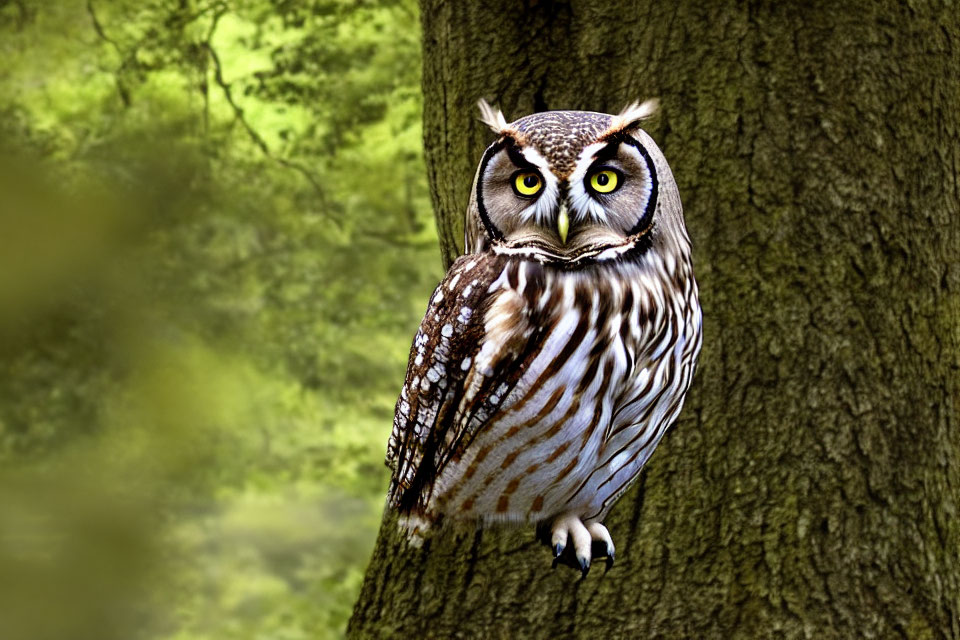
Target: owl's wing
[445,399]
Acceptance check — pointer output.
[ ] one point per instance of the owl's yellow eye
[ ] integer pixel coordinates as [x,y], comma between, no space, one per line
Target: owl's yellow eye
[527,183]
[604,181]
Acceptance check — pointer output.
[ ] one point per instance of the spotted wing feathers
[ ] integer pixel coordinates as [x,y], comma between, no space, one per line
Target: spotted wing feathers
[444,398]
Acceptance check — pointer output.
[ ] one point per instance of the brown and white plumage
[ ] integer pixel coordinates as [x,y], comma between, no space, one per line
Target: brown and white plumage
[549,364]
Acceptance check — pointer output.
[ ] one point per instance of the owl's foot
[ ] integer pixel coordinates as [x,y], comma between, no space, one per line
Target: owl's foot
[569,529]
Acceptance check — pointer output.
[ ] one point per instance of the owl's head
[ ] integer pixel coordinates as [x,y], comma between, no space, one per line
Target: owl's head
[574,187]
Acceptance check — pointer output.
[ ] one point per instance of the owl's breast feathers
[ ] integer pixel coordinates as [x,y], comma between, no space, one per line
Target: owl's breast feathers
[532,390]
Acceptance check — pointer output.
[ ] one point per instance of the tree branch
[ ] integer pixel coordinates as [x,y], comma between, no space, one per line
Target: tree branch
[252,133]
[101,32]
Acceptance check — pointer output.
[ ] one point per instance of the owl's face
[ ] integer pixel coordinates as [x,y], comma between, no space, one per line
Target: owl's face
[564,184]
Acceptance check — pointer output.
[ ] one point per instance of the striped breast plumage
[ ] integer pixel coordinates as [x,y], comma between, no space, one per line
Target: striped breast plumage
[535,390]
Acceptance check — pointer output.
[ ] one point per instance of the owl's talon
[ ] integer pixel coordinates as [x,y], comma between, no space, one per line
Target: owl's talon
[569,528]
[599,534]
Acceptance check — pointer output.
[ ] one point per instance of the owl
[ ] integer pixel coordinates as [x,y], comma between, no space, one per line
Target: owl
[558,350]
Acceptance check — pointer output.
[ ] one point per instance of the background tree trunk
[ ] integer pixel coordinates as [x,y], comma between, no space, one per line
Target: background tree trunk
[810,488]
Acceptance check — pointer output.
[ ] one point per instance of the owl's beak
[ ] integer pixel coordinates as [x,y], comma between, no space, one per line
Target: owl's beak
[563,223]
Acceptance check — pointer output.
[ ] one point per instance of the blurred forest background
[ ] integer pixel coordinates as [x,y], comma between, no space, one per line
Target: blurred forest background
[215,245]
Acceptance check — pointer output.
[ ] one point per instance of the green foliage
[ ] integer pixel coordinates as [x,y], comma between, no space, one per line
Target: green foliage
[215,244]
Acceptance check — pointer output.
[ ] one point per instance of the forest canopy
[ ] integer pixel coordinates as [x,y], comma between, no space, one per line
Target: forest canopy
[215,244]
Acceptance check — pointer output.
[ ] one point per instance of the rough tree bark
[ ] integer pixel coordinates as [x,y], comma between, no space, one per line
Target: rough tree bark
[810,488]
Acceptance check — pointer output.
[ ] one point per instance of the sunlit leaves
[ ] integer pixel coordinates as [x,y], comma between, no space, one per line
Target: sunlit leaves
[216,244]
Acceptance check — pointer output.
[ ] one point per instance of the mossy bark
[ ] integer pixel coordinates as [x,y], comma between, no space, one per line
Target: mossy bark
[810,488]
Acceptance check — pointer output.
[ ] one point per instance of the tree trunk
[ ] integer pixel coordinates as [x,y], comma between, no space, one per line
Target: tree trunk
[810,487]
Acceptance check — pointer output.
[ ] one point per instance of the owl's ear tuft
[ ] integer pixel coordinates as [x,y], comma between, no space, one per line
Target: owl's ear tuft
[491,117]
[633,114]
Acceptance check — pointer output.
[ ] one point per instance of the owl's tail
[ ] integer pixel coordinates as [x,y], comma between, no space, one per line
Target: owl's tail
[415,527]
